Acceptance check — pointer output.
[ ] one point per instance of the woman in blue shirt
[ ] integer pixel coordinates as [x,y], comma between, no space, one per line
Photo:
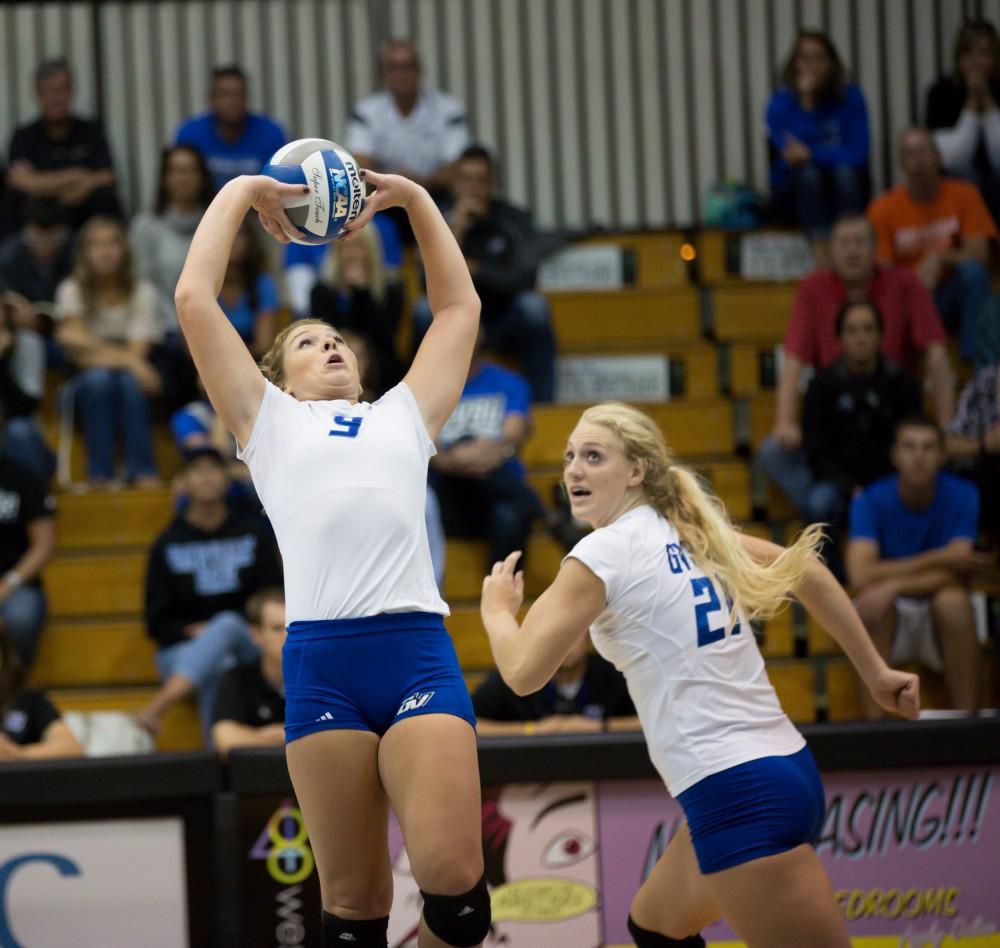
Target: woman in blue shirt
[249,294]
[817,125]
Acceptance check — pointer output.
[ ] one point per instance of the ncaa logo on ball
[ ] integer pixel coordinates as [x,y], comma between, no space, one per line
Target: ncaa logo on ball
[336,193]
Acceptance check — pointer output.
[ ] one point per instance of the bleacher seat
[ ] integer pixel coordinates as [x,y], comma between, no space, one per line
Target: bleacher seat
[624,319]
[751,313]
[692,428]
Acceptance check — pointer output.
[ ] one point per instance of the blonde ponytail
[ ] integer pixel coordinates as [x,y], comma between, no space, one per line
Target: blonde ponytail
[701,521]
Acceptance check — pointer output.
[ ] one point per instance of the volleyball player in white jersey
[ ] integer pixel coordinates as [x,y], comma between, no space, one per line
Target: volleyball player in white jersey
[377,711]
[665,585]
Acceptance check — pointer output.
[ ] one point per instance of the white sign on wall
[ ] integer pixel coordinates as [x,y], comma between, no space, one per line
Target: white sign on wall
[93,884]
[592,267]
[775,256]
[587,379]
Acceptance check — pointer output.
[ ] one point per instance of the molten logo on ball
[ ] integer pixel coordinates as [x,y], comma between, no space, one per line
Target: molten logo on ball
[336,192]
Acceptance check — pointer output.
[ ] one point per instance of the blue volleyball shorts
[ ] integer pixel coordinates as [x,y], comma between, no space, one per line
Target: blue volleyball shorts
[760,808]
[366,674]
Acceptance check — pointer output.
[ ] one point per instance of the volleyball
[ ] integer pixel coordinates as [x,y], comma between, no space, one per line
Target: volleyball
[336,192]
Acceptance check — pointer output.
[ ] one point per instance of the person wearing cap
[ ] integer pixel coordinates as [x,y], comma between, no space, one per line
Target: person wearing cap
[202,569]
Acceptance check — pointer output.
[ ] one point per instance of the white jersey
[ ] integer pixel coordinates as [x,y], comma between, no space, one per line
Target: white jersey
[433,134]
[345,488]
[702,694]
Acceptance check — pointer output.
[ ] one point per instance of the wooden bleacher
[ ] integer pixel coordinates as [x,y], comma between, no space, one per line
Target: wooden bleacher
[720,337]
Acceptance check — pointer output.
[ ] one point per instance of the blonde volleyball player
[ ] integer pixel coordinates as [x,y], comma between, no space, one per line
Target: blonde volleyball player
[665,585]
[377,711]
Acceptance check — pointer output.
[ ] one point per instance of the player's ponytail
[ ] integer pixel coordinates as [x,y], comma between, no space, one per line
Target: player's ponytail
[700,519]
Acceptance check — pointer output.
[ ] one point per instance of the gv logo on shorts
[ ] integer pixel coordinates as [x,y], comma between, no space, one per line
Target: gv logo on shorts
[415,701]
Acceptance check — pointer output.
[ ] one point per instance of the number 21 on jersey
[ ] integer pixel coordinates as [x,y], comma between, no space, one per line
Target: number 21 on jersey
[706,599]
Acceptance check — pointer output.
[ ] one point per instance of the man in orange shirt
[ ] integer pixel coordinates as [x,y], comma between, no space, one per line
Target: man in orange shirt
[940,228]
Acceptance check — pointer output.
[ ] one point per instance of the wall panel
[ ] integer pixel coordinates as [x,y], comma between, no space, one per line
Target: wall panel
[617,113]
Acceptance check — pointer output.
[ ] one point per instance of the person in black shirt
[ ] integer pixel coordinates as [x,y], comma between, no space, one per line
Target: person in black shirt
[963,111]
[496,239]
[850,413]
[586,694]
[202,569]
[31,728]
[36,259]
[250,707]
[27,542]
[60,155]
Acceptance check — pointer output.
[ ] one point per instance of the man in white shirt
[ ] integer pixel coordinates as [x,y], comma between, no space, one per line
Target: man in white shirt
[405,128]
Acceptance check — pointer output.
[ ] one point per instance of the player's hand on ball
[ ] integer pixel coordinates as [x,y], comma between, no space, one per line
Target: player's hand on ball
[503,589]
[898,691]
[266,200]
[391,190]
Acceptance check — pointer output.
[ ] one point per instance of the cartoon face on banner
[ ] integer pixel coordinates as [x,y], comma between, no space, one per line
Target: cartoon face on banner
[540,843]
[541,864]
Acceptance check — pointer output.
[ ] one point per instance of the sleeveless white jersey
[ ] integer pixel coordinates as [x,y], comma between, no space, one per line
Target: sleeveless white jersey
[702,694]
[345,487]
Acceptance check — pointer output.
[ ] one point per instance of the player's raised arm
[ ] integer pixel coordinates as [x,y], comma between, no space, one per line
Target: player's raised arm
[441,365]
[232,379]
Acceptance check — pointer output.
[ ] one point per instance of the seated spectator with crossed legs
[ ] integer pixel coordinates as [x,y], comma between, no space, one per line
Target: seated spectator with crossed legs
[911,558]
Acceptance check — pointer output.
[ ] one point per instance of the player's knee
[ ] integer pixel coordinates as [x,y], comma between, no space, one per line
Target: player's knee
[459,920]
[358,932]
[644,938]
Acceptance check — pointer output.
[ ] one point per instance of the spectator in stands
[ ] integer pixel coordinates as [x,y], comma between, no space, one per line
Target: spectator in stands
[940,229]
[107,323]
[911,331]
[586,694]
[36,259]
[851,409]
[22,384]
[356,294]
[963,112]
[479,480]
[27,542]
[250,707]
[202,569]
[196,426]
[407,128]
[972,439]
[249,294]
[304,263]
[496,238]
[31,727]
[911,558]
[160,242]
[233,139]
[817,126]
[59,156]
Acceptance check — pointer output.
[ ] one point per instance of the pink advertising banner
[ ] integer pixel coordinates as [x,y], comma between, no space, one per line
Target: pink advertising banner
[913,855]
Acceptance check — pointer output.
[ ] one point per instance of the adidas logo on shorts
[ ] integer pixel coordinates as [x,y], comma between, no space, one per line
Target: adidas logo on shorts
[415,701]
[325,716]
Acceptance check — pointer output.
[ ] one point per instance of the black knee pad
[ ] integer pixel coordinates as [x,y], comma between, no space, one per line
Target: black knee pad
[355,933]
[459,920]
[644,938]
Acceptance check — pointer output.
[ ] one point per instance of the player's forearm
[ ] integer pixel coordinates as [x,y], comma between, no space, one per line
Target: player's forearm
[449,284]
[827,602]
[513,654]
[207,258]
